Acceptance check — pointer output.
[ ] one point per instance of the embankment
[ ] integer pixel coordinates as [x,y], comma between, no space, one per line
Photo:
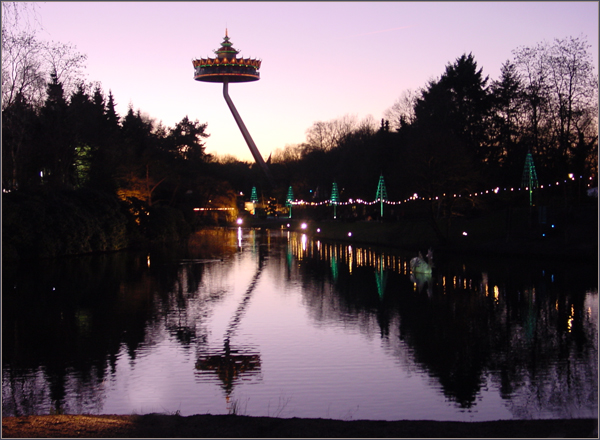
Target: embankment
[232,426]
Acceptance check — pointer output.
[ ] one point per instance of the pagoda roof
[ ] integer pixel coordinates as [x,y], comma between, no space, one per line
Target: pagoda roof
[226,47]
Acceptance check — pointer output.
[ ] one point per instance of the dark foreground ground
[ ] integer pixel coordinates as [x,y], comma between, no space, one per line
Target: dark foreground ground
[233,426]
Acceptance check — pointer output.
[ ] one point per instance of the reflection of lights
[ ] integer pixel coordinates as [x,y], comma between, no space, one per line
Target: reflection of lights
[484,280]
[148,258]
[303,226]
[304,242]
[239,221]
[570,319]
[240,237]
[496,293]
[350,259]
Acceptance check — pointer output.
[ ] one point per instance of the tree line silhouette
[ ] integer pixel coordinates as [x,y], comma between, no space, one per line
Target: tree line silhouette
[463,133]
[459,134]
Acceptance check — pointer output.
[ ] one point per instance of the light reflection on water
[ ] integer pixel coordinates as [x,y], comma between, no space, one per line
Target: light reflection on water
[281,324]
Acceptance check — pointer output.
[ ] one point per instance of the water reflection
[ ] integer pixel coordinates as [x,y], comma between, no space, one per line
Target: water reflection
[81,336]
[233,365]
[533,343]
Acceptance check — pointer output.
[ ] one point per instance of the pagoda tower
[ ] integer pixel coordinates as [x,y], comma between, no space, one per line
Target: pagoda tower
[226,68]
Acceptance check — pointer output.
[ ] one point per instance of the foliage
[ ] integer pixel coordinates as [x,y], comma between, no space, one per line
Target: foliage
[165,224]
[459,134]
[50,223]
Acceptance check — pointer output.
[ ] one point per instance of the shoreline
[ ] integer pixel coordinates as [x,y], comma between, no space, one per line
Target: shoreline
[410,235]
[237,426]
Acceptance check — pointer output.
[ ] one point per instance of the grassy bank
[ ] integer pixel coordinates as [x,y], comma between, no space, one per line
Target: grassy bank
[230,426]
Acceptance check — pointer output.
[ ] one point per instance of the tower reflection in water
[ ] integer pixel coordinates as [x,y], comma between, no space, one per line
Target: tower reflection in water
[233,364]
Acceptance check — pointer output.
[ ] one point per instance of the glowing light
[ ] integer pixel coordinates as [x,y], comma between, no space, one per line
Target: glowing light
[571,318]
[464,233]
[334,200]
[239,221]
[303,225]
[349,234]
[318,229]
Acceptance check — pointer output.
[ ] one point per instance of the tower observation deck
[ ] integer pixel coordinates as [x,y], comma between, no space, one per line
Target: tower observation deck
[226,67]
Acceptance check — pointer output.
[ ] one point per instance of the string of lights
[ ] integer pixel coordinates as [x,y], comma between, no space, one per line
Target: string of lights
[416,197]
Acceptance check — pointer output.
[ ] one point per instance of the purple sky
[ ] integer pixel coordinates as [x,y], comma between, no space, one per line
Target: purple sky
[320,60]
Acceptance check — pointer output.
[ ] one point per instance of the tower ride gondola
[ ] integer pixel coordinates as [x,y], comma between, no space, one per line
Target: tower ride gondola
[226,68]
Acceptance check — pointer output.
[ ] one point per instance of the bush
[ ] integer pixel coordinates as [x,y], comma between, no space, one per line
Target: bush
[166,224]
[50,224]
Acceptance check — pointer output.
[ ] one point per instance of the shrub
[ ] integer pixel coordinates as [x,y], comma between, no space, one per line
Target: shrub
[49,224]
[166,224]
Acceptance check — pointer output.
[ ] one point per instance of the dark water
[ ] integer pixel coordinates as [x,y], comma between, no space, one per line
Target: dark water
[281,324]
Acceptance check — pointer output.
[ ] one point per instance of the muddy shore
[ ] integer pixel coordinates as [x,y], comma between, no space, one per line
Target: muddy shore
[235,426]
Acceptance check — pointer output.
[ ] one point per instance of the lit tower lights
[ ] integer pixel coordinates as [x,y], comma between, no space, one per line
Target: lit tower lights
[289,200]
[529,180]
[226,68]
[381,195]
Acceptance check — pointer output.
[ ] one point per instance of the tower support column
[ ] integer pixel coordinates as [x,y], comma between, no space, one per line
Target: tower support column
[251,145]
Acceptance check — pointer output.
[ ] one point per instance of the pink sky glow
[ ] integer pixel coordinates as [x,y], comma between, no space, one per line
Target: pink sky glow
[320,60]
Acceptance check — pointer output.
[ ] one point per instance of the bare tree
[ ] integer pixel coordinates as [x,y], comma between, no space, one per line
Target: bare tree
[18,15]
[287,154]
[561,93]
[328,135]
[403,110]
[367,126]
[66,63]
[22,70]
[572,86]
[27,62]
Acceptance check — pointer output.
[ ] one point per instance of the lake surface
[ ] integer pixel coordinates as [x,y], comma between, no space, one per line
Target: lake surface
[278,323]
